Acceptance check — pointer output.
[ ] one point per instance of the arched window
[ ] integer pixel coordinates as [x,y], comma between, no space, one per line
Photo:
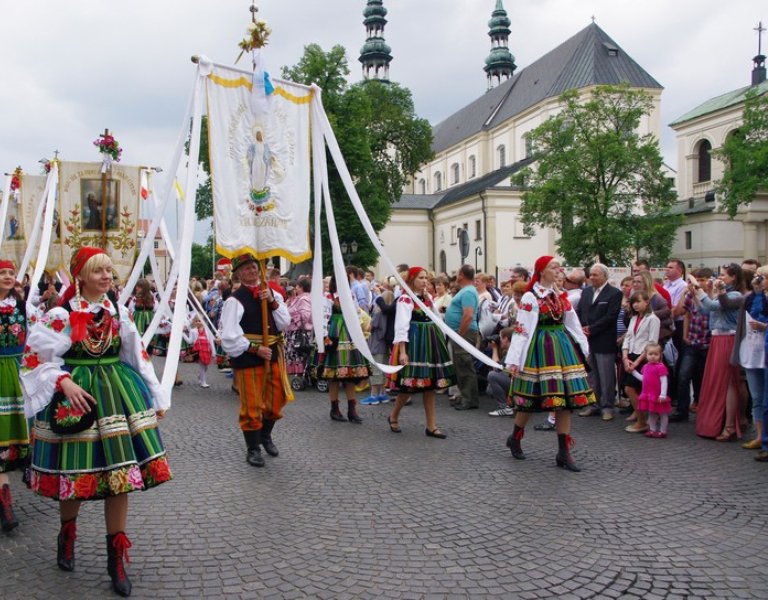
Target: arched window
[422,186]
[472,167]
[438,181]
[502,150]
[455,173]
[443,262]
[528,146]
[705,161]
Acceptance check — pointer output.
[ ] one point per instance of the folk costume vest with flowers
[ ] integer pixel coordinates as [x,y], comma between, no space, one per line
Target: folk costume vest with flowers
[13,326]
[103,339]
[552,306]
[251,325]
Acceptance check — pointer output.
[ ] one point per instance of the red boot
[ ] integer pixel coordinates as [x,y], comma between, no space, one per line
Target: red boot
[117,554]
[8,520]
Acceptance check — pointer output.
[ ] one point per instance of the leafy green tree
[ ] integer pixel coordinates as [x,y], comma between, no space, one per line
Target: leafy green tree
[202,260]
[745,154]
[598,182]
[381,138]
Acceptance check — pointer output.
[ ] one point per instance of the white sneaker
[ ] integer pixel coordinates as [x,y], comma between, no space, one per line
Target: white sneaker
[204,385]
[503,412]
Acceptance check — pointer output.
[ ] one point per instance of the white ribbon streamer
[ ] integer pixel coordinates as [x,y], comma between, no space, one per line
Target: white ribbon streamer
[4,207]
[338,159]
[51,185]
[32,240]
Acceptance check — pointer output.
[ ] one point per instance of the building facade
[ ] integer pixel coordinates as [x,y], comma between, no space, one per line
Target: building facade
[709,237]
[479,149]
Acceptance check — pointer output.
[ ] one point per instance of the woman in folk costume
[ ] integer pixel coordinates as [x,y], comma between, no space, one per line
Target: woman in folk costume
[422,350]
[142,306]
[96,400]
[341,362]
[543,359]
[14,437]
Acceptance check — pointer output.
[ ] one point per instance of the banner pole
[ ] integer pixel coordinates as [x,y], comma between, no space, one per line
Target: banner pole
[264,311]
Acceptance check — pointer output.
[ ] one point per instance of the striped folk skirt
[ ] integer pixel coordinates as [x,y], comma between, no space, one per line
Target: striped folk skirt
[121,452]
[342,360]
[142,317]
[553,377]
[429,364]
[14,436]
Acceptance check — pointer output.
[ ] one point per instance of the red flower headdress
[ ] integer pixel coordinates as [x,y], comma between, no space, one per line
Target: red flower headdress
[78,319]
[538,267]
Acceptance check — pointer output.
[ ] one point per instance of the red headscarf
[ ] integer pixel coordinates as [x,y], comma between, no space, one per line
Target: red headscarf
[7,264]
[538,267]
[413,272]
[76,265]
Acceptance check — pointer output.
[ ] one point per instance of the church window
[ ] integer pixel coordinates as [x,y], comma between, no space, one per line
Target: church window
[688,240]
[443,262]
[453,235]
[422,186]
[455,173]
[502,150]
[528,146]
[704,159]
[472,167]
[438,181]
[478,230]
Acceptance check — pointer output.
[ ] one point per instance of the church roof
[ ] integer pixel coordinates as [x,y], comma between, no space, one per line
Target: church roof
[480,184]
[417,201]
[720,102]
[590,57]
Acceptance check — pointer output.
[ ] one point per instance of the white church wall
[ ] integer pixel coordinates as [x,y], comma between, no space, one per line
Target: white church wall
[406,239]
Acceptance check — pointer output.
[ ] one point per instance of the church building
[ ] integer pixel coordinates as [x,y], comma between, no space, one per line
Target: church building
[482,145]
[709,237]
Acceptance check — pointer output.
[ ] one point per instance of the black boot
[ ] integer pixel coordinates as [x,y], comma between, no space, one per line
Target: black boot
[266,438]
[336,413]
[65,554]
[352,412]
[117,554]
[564,444]
[514,442]
[8,520]
[252,441]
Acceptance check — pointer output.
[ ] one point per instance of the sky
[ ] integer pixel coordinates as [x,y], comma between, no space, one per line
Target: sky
[71,69]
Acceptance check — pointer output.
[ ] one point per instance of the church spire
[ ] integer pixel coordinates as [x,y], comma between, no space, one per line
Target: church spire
[758,71]
[375,55]
[500,64]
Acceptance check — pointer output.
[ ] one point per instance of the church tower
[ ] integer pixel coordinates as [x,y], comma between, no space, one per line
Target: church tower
[375,55]
[500,64]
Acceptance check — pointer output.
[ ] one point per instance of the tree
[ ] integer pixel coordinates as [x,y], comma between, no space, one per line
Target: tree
[745,154]
[381,138]
[598,182]
[204,197]
[202,261]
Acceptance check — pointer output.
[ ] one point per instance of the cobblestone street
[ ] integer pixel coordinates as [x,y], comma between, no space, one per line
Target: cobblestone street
[354,511]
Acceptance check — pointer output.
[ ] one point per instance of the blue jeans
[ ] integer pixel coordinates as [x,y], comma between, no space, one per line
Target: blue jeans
[690,369]
[756,383]
[765,411]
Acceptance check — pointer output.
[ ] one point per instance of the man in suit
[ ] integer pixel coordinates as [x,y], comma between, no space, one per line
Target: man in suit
[598,312]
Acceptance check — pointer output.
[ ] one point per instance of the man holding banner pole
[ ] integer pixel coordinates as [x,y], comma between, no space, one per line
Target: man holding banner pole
[259,365]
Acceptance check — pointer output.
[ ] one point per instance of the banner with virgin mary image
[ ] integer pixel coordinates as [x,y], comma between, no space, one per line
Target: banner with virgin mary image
[92,210]
[20,218]
[259,166]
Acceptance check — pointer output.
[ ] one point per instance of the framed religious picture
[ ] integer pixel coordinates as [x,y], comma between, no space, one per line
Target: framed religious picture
[91,203]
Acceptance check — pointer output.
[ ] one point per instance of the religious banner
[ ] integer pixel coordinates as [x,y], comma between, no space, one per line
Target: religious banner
[22,208]
[85,216]
[260,163]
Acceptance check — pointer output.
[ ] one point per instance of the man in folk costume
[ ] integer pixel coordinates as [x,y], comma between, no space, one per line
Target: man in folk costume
[259,370]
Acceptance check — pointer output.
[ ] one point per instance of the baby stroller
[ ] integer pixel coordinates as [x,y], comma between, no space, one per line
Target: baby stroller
[300,364]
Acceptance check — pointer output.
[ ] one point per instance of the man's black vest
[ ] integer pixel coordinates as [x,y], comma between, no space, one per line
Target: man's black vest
[251,324]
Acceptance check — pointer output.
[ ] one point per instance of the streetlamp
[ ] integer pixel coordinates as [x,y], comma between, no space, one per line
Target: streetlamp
[347,250]
[478,252]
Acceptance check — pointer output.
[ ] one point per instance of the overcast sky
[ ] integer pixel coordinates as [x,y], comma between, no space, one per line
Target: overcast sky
[70,69]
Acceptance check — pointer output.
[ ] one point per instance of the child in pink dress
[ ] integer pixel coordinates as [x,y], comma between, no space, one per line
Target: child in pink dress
[653,396]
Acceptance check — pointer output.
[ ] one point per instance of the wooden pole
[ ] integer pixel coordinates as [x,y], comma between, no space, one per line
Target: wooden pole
[264,310]
[104,188]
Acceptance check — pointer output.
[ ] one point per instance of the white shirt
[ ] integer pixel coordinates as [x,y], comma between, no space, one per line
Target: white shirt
[233,340]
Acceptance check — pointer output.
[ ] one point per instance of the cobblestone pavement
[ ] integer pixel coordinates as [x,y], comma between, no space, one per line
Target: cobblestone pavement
[354,511]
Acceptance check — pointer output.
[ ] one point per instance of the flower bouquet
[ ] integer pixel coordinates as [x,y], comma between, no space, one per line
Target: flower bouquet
[257,36]
[110,149]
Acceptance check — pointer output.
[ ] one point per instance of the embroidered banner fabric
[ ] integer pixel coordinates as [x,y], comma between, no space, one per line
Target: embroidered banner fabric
[260,167]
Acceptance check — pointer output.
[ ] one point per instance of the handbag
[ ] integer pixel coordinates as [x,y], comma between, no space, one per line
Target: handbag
[64,419]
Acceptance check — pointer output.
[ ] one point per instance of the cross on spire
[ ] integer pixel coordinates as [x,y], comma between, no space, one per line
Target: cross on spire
[254,9]
[760,29]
